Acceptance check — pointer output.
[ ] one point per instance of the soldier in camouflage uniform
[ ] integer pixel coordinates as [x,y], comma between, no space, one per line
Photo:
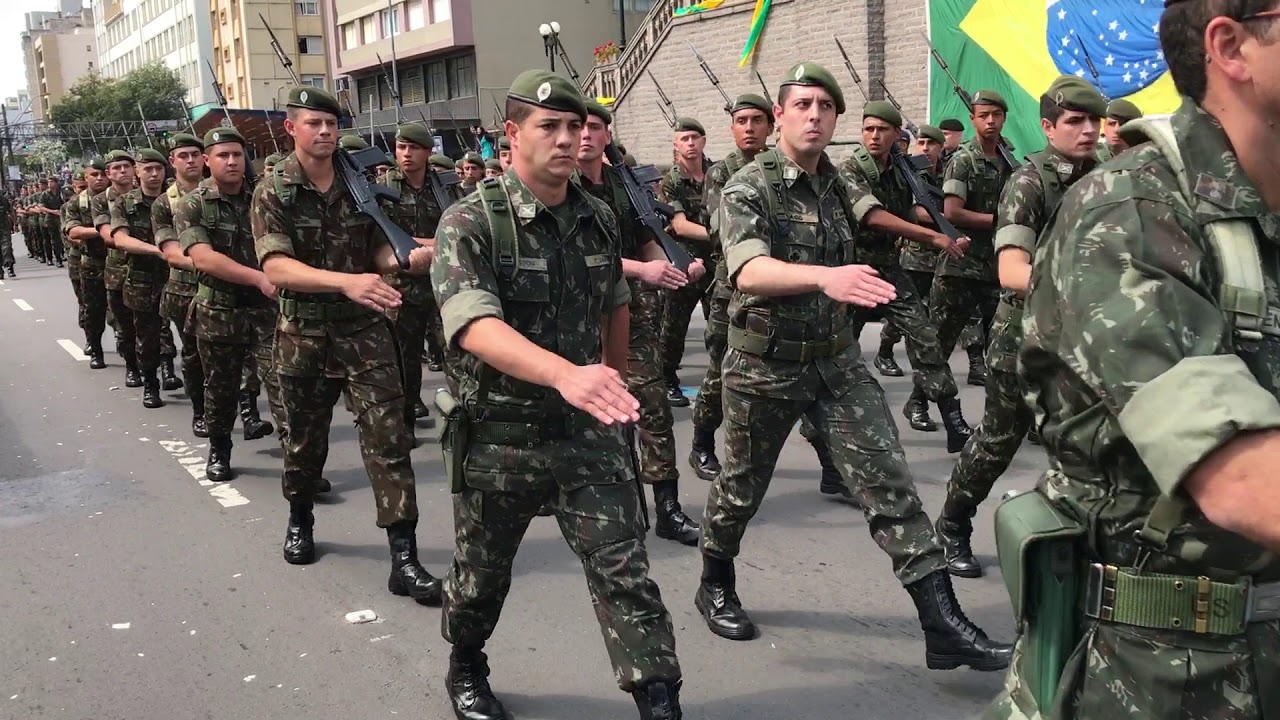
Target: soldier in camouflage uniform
[504,152]
[80,230]
[682,188]
[1119,112]
[792,351]
[471,171]
[20,218]
[1152,359]
[186,155]
[551,335]
[871,165]
[233,315]
[1071,111]
[419,214]
[51,214]
[35,219]
[270,162]
[120,171]
[6,233]
[74,252]
[650,276]
[131,231]
[331,337]
[971,188]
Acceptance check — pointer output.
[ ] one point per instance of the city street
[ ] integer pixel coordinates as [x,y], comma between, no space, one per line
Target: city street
[132,588]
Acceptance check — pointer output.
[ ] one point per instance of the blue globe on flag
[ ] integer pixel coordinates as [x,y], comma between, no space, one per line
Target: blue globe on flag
[1121,37]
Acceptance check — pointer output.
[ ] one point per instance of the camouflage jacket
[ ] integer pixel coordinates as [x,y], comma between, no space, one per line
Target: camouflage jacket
[205,215]
[38,201]
[6,212]
[610,192]
[132,214]
[978,180]
[567,279]
[717,177]
[73,250]
[891,189]
[822,211]
[419,215]
[685,195]
[80,214]
[100,214]
[1131,364]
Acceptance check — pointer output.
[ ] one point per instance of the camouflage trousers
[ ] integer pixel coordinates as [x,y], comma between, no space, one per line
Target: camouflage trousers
[604,527]
[678,313]
[94,295]
[929,369]
[644,380]
[953,300]
[708,408]
[153,336]
[53,244]
[125,327]
[1120,671]
[174,307]
[73,272]
[6,249]
[864,445]
[370,377]
[1006,418]
[410,329]
[970,337]
[223,360]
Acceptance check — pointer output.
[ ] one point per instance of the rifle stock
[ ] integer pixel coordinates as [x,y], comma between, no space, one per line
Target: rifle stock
[652,215]
[352,166]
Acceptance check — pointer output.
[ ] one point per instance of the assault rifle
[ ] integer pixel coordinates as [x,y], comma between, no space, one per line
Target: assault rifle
[1006,154]
[654,216]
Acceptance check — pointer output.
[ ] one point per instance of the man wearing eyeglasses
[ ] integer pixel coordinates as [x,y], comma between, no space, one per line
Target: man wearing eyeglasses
[1152,358]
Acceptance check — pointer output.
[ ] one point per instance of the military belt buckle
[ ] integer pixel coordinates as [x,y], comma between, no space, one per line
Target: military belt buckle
[1100,593]
[1263,604]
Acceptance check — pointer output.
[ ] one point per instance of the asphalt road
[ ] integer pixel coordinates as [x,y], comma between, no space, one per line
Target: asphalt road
[132,588]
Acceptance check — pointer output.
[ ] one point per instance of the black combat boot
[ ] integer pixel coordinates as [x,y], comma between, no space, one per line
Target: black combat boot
[885,362]
[670,522]
[254,426]
[132,377]
[950,638]
[299,543]
[703,455]
[420,410]
[831,483]
[434,363]
[958,431]
[1033,436]
[675,395]
[169,381]
[977,366]
[12,274]
[218,469]
[97,359]
[468,685]
[198,427]
[717,601]
[659,700]
[955,529]
[151,390]
[916,411]
[408,577]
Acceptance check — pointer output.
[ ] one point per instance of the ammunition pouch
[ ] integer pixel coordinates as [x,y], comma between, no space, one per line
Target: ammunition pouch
[454,434]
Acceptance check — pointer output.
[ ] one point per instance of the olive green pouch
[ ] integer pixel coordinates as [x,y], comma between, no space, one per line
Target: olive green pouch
[454,434]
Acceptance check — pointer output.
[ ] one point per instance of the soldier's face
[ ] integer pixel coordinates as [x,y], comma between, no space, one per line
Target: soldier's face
[151,177]
[689,145]
[1074,135]
[504,157]
[1111,131]
[121,173]
[931,149]
[954,138]
[595,135]
[492,172]
[988,121]
[226,162]
[472,172]
[188,163]
[545,145]
[878,137]
[751,129]
[314,133]
[411,157]
[96,180]
[807,120]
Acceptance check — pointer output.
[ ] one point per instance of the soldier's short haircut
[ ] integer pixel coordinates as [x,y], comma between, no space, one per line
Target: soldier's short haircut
[1182,36]
[518,112]
[1050,110]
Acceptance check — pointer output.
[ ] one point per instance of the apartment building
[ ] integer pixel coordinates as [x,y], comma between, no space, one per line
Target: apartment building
[58,49]
[247,68]
[133,33]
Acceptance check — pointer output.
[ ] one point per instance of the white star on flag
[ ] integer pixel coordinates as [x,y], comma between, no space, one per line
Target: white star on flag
[1110,60]
[1080,72]
[1062,14]
[1066,41]
[1128,77]
[1143,75]
[1124,34]
[1113,25]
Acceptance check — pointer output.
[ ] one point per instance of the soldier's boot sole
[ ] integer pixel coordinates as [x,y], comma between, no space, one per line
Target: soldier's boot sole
[964,567]
[705,464]
[431,594]
[678,529]
[975,659]
[742,632]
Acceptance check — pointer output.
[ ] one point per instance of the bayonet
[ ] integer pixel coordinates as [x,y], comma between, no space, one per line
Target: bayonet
[1006,154]
[668,110]
[715,81]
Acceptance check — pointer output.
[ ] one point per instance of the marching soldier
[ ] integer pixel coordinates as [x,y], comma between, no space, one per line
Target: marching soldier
[6,233]
[81,230]
[504,152]
[120,172]
[953,135]
[74,252]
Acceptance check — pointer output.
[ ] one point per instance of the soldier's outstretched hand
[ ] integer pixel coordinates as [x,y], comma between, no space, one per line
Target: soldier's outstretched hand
[599,390]
[371,291]
[662,274]
[857,284]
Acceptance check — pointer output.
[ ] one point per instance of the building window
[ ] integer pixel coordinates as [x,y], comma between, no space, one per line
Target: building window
[310,45]
[417,18]
[462,76]
[367,30]
[313,81]
[367,93]
[440,10]
[307,7]
[390,23]
[411,90]
[350,36]
[437,82]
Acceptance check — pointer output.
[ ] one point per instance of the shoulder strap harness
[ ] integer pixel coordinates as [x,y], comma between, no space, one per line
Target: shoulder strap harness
[502,223]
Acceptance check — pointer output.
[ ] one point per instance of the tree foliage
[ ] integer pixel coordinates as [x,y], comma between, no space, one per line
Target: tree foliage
[46,156]
[98,99]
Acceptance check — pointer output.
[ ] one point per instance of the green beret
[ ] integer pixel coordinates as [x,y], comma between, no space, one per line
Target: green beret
[629,160]
[751,101]
[352,142]
[1123,110]
[814,75]
[223,135]
[548,90]
[415,133]
[457,164]
[77,175]
[313,98]
[97,164]
[600,111]
[990,97]
[117,156]
[473,158]
[932,133]
[688,124]
[493,164]
[504,143]
[182,140]
[441,161]
[272,159]
[883,110]
[1074,93]
[951,125]
[147,155]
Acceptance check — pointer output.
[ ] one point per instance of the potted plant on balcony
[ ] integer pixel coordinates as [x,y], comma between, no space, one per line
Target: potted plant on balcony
[606,53]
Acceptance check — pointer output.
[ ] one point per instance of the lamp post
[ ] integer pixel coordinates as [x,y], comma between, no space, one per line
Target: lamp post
[550,37]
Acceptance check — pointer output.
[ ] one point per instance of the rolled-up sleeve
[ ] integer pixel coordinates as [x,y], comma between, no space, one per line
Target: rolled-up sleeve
[270,224]
[462,276]
[745,230]
[162,221]
[1020,214]
[186,223]
[955,179]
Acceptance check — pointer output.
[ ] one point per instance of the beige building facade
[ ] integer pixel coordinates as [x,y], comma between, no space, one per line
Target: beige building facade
[58,50]
[244,63]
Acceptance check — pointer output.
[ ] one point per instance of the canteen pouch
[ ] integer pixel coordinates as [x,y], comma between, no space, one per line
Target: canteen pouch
[1040,553]
[454,434]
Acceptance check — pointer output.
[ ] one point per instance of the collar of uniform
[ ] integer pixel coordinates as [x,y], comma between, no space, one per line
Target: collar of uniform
[1066,169]
[213,193]
[527,207]
[679,169]
[975,146]
[791,172]
[290,171]
[1222,189]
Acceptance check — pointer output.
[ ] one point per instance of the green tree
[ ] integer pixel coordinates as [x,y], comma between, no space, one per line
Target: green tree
[94,98]
[46,155]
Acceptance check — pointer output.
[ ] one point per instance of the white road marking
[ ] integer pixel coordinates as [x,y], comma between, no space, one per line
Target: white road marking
[22,304]
[193,461]
[73,350]
[120,626]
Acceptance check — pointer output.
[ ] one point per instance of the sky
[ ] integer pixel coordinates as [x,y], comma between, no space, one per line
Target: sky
[12,70]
